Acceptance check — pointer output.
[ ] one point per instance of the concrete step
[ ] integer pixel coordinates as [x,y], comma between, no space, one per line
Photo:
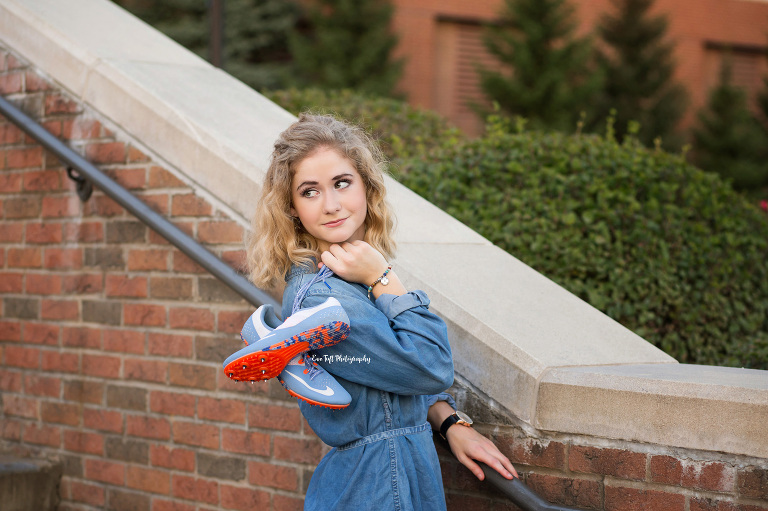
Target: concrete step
[28,484]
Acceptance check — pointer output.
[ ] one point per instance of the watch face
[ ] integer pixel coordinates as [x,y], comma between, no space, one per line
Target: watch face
[463,417]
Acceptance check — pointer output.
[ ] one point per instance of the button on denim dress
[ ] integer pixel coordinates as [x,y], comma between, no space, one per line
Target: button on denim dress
[395,363]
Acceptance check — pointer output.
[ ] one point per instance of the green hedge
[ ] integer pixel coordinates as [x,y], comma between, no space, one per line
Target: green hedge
[665,249]
[402,130]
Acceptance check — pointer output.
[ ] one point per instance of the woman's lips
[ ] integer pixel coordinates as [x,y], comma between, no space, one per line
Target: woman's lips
[335,223]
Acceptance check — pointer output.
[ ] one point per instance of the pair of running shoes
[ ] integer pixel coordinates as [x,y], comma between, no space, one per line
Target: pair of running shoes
[275,349]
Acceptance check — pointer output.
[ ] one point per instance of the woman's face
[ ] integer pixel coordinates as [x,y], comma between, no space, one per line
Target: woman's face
[328,196]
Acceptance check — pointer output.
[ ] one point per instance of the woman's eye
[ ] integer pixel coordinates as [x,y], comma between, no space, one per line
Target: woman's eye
[342,184]
[309,193]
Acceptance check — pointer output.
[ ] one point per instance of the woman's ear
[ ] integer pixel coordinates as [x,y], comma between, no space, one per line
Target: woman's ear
[293,212]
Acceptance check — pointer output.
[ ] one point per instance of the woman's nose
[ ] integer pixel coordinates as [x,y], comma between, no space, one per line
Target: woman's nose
[331,203]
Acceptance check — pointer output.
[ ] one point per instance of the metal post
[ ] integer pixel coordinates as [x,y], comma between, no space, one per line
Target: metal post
[216,43]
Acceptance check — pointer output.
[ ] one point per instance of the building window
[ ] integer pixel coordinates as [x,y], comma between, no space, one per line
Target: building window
[459,51]
[749,66]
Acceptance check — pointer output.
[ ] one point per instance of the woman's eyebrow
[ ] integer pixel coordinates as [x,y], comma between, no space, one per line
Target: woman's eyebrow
[306,183]
[315,183]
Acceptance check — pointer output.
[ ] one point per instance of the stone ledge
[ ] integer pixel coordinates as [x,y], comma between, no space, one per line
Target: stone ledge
[699,407]
[516,335]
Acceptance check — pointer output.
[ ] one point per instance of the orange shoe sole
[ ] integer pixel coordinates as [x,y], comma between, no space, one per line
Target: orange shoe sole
[268,363]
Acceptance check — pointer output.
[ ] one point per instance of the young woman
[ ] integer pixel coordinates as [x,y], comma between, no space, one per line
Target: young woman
[323,204]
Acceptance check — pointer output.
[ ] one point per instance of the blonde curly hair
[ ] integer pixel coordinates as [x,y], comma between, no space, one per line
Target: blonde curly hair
[277,240]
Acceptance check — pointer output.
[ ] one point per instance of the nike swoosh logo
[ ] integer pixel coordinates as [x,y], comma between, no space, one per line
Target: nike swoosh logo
[327,392]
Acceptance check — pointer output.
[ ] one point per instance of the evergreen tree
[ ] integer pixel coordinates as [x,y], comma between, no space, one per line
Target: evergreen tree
[639,72]
[762,105]
[255,34]
[184,21]
[762,117]
[729,140]
[762,98]
[548,77]
[762,102]
[347,44]
[256,42]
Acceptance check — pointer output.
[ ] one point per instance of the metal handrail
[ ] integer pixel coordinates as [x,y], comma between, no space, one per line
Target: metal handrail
[166,229]
[516,490]
[520,495]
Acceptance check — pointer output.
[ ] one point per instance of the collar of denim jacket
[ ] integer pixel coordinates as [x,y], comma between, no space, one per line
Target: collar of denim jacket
[301,269]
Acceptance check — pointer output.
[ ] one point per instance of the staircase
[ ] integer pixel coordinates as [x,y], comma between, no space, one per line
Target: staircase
[29,484]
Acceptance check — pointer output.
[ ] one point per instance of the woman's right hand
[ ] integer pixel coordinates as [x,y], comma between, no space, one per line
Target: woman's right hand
[357,261]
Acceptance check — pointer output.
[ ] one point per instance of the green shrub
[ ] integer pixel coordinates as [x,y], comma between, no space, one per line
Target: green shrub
[662,247]
[402,130]
[667,250]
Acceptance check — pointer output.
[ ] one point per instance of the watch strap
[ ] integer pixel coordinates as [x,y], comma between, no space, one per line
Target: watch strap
[447,423]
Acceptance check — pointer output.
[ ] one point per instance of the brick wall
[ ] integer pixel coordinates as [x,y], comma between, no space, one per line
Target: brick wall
[111,342]
[620,477]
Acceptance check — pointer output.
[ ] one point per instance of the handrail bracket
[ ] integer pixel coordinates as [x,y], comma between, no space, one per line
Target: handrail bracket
[83,187]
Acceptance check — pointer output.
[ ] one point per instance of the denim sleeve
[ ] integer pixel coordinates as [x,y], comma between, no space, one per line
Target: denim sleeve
[397,346]
[443,396]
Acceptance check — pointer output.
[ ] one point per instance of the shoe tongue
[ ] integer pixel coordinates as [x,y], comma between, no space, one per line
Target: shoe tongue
[298,360]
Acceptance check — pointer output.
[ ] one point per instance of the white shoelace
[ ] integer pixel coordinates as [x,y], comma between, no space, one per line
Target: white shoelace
[312,369]
[324,273]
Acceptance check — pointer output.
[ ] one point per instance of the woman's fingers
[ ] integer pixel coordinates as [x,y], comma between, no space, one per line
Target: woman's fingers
[490,459]
[330,260]
[497,461]
[355,261]
[337,251]
[472,466]
[510,468]
[346,253]
[502,466]
[468,445]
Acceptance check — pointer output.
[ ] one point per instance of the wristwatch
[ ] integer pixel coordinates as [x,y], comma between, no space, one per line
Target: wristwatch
[455,418]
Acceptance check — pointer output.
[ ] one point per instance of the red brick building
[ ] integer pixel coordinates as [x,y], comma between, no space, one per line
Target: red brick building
[441,41]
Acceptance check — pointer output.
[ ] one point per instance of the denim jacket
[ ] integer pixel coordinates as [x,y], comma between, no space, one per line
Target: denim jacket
[395,363]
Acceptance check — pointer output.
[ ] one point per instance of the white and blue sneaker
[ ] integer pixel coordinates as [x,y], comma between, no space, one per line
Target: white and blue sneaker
[306,380]
[269,348]
[260,324]
[301,377]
